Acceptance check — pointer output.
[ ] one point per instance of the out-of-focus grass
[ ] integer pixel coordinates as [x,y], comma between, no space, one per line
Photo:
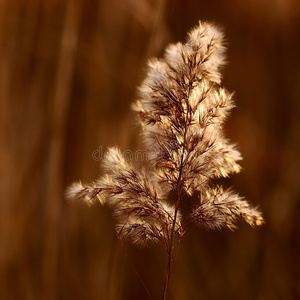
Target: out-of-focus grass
[69,71]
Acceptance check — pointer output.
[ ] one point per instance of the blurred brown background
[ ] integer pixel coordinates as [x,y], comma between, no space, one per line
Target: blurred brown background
[69,71]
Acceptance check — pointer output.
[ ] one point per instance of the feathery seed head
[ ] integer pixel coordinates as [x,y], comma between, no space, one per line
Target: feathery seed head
[219,208]
[87,193]
[181,108]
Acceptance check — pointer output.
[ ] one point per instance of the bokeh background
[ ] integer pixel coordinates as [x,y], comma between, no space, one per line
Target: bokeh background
[68,74]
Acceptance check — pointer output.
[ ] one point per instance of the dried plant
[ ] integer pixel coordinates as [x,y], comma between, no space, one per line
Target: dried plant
[182,108]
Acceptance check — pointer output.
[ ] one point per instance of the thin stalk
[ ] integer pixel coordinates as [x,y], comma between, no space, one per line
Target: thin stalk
[134,269]
[179,196]
[170,250]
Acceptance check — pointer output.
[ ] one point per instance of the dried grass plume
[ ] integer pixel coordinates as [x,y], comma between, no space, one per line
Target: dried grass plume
[182,108]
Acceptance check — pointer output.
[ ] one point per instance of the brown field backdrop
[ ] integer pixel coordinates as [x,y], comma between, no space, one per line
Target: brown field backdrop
[68,73]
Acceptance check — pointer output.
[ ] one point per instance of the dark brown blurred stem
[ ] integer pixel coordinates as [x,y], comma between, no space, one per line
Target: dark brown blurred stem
[58,123]
[158,26]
